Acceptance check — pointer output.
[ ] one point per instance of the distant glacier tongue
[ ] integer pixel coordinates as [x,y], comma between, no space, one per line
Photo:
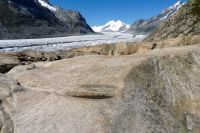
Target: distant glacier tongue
[65,43]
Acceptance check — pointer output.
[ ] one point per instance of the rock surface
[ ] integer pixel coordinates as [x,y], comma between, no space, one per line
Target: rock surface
[154,92]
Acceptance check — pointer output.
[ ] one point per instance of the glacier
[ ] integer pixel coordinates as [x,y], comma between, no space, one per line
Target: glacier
[66,43]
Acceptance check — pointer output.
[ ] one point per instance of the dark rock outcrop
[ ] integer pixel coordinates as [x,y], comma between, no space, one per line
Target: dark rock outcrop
[7,62]
[31,19]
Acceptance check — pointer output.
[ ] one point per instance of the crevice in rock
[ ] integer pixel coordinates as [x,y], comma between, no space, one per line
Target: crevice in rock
[92,96]
[93,91]
[154,46]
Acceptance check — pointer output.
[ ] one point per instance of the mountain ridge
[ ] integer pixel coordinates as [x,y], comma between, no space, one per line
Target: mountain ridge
[147,26]
[179,25]
[21,19]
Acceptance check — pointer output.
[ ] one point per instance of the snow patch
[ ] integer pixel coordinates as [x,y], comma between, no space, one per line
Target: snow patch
[140,37]
[44,4]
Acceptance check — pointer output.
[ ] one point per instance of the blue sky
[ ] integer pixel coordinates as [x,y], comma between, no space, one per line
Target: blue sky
[98,12]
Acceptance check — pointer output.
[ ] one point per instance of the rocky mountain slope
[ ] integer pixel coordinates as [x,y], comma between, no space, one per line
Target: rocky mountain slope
[112,26]
[153,92]
[38,19]
[183,23]
[145,27]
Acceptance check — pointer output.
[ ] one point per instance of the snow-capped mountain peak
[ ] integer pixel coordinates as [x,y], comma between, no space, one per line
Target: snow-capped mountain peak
[171,10]
[47,5]
[112,26]
[147,26]
[177,5]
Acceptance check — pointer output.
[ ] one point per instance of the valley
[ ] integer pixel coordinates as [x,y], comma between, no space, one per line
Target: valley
[58,74]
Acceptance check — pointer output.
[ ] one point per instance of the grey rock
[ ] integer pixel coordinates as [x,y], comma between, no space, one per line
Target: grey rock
[144,27]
